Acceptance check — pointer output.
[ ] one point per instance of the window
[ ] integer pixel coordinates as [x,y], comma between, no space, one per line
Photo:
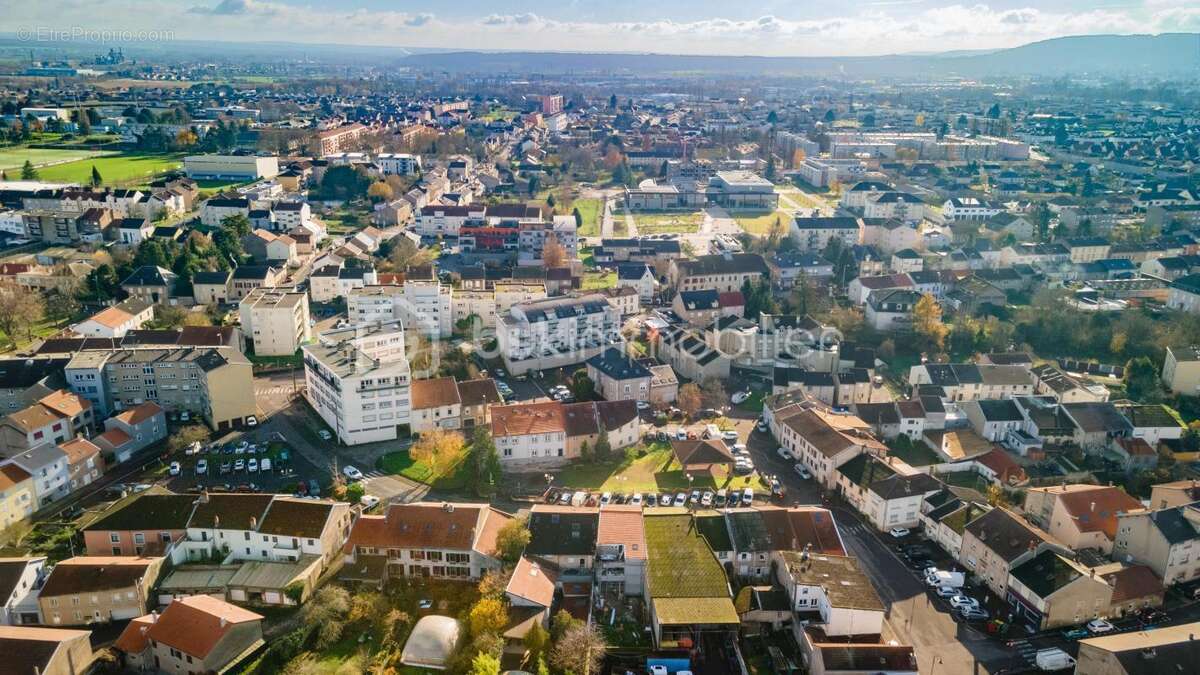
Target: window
[115,537]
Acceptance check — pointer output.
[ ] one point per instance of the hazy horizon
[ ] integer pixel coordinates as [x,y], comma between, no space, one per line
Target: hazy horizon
[765,28]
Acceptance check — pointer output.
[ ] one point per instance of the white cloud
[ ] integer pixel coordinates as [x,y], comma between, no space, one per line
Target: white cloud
[882,26]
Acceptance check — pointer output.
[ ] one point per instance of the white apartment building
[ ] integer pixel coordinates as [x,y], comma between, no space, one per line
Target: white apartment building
[359,381]
[557,332]
[399,164]
[276,320]
[423,306]
[970,208]
[437,220]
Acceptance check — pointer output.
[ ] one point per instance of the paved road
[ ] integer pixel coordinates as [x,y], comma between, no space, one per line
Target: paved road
[606,219]
[913,617]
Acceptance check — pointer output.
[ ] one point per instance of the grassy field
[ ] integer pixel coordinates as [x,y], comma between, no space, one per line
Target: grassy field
[14,158]
[662,223]
[400,463]
[593,281]
[761,224]
[131,169]
[589,211]
[655,471]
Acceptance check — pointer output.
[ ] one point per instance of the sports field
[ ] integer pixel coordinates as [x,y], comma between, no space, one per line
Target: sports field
[14,158]
[120,170]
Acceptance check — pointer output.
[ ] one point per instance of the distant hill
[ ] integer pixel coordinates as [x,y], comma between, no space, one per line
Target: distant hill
[1169,53]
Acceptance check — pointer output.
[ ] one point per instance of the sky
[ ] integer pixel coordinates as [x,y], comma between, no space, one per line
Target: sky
[764,27]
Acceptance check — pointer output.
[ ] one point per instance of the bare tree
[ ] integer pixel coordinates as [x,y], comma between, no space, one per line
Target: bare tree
[580,650]
[553,253]
[20,310]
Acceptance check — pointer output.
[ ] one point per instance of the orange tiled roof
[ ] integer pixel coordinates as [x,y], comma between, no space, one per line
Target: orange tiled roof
[527,418]
[621,524]
[140,413]
[196,624]
[65,403]
[534,582]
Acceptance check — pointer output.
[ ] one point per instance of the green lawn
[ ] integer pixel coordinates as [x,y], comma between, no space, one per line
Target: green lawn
[593,281]
[14,158]
[400,463]
[753,404]
[117,169]
[589,212]
[915,454]
[652,472]
[760,225]
[662,223]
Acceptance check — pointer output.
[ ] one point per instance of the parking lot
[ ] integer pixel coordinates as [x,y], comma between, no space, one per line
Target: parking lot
[258,462]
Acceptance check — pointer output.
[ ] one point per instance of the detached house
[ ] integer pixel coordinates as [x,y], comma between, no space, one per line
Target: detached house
[198,634]
[88,590]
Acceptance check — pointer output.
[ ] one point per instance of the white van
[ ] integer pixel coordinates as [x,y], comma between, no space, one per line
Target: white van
[265,464]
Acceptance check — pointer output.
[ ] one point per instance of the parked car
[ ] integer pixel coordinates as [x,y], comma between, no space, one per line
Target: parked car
[945,591]
[747,497]
[642,405]
[973,614]
[707,498]
[251,421]
[665,500]
[1099,626]
[636,499]
[352,473]
[225,468]
[239,465]
[681,499]
[739,397]
[721,497]
[202,466]
[1075,633]
[266,464]
[803,472]
[899,532]
[694,498]
[252,465]
[605,498]
[314,488]
[961,600]
[174,470]
[740,449]
[783,453]
[369,501]
[324,434]
[185,416]
[729,436]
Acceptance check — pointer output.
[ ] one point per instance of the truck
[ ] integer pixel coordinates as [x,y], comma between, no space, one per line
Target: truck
[1053,659]
[945,578]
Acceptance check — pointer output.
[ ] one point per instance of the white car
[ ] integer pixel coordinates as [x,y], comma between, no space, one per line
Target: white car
[747,497]
[642,405]
[1097,626]
[605,498]
[960,600]
[730,435]
[681,499]
[707,499]
[251,421]
[325,435]
[184,416]
[946,592]
[368,501]
[783,453]
[803,472]
[352,473]
[739,397]
[252,465]
[174,470]
[636,499]
[740,449]
[266,464]
[202,466]
[899,532]
[681,434]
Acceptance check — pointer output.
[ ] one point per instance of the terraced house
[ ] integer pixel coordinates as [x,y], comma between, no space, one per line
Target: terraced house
[424,539]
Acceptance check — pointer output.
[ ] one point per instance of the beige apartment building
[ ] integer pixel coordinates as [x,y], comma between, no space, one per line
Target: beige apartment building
[995,543]
[276,320]
[1181,370]
[1079,516]
[1165,540]
[98,589]
[214,383]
